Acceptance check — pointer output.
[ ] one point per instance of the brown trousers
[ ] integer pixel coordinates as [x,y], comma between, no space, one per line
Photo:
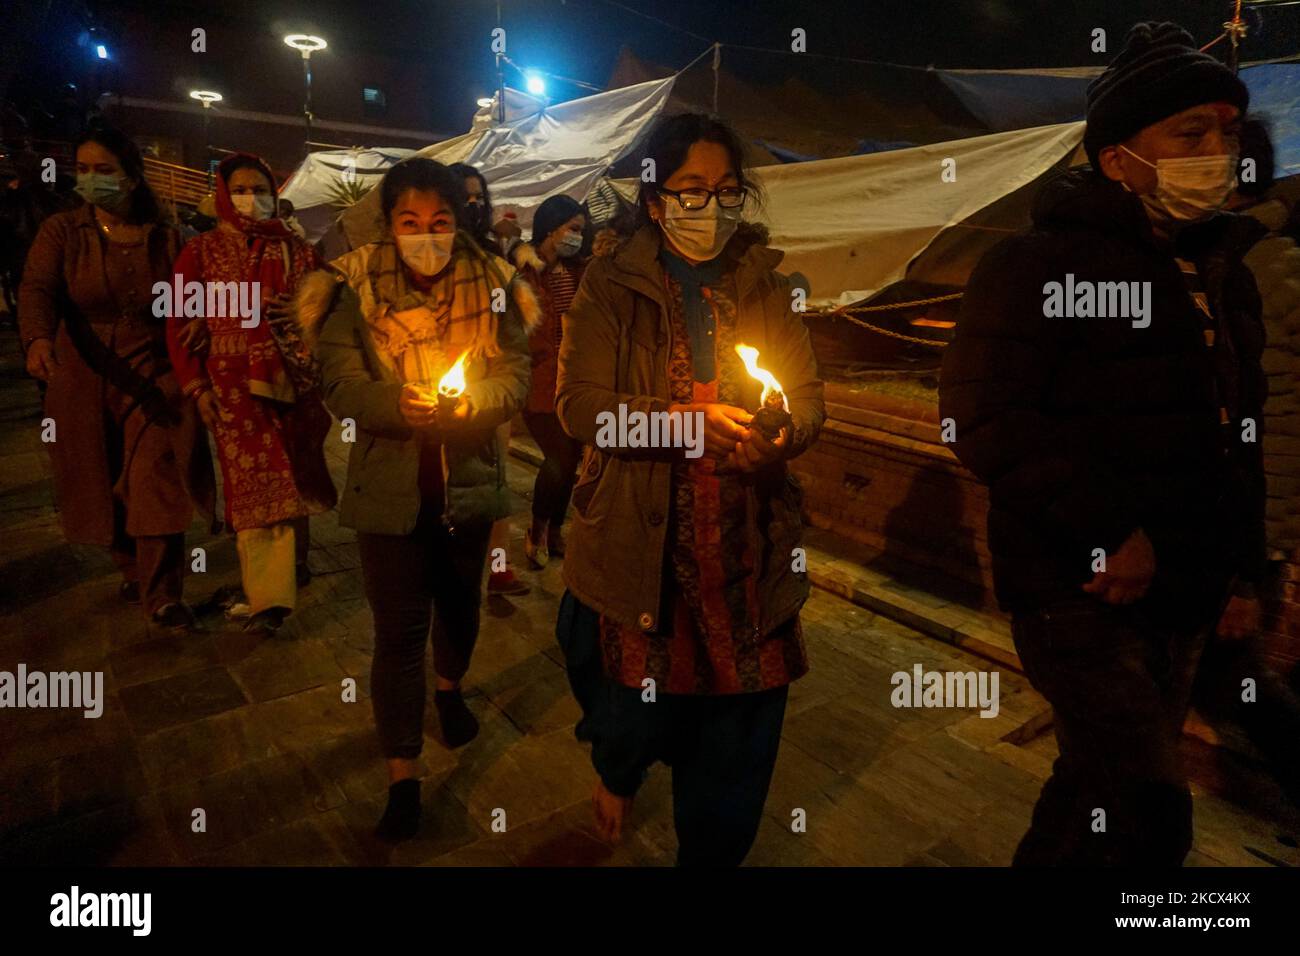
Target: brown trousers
[154,561]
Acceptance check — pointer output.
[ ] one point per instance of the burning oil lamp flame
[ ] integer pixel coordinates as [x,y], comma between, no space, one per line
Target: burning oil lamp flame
[773,413]
[749,355]
[452,384]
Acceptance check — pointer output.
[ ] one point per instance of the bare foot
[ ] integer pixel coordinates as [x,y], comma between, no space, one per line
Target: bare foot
[610,810]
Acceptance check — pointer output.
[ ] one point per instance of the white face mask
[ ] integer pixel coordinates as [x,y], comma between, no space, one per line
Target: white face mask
[254,206]
[699,233]
[1190,188]
[568,246]
[428,252]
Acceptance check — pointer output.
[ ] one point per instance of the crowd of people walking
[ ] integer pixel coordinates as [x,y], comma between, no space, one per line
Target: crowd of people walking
[680,619]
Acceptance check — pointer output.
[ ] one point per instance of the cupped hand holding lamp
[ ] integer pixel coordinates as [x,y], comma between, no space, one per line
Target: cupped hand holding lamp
[765,434]
[422,407]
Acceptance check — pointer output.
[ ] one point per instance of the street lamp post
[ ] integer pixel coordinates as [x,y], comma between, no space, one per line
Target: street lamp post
[306,45]
[501,80]
[207,98]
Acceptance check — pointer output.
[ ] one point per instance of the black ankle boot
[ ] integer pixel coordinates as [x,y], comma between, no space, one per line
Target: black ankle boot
[459,726]
[401,819]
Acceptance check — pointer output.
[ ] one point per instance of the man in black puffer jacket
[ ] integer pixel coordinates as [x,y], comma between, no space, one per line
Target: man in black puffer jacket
[1105,382]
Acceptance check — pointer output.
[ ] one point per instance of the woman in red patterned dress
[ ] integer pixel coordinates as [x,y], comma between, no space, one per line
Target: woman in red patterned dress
[257,387]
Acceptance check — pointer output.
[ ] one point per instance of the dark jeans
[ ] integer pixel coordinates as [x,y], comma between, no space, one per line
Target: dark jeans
[555,478]
[1119,684]
[722,749]
[428,577]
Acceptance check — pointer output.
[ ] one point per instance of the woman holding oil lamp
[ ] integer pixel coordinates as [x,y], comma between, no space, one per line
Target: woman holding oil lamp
[681,572]
[423,343]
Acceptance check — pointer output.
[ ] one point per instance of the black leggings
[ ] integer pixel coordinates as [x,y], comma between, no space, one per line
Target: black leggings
[555,478]
[426,577]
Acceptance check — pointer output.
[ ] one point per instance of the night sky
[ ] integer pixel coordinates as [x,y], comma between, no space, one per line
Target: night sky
[582,38]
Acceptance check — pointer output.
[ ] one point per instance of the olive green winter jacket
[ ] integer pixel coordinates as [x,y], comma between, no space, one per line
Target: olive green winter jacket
[615,350]
[382,493]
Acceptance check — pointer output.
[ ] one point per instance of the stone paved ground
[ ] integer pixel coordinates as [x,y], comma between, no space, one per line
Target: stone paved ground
[254,731]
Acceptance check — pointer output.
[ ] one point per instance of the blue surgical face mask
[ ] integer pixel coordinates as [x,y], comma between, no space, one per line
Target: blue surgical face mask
[102,189]
[569,246]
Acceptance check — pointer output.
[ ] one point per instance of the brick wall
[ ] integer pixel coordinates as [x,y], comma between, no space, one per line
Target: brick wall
[1281,623]
[889,483]
[884,479]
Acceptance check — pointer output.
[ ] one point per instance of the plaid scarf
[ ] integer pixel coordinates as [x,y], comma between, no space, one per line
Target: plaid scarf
[420,334]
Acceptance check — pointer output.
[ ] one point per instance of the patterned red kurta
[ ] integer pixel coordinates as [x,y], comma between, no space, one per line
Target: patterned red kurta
[714,647]
[271,453]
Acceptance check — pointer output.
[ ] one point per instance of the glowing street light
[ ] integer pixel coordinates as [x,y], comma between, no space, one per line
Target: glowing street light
[306,44]
[101,51]
[535,84]
[207,98]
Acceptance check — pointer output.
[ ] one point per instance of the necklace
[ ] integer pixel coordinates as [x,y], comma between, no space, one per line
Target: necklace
[124,228]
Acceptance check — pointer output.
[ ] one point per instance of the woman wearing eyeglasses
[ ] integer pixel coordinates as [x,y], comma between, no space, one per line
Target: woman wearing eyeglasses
[680,623]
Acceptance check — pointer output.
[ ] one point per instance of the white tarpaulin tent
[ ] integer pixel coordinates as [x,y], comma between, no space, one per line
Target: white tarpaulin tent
[852,225]
[564,148]
[329,180]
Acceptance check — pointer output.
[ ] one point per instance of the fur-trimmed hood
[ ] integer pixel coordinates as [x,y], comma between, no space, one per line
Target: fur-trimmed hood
[530,308]
[314,300]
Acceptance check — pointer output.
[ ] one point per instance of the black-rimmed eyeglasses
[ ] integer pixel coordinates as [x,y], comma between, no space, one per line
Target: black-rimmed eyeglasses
[729,197]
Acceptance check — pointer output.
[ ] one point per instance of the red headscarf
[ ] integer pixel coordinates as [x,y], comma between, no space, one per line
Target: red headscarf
[273,228]
[277,258]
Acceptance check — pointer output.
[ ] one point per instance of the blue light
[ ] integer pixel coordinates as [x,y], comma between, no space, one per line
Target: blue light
[536,85]
[102,51]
